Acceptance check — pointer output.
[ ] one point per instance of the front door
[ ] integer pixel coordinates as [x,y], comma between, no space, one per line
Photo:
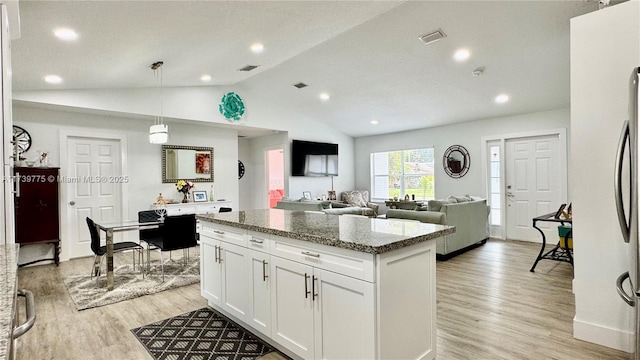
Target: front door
[94,188]
[533,186]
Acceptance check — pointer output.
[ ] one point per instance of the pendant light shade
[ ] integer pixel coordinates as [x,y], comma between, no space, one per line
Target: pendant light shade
[158,132]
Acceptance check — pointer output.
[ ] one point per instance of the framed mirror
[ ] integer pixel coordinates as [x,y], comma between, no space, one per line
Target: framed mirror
[191,163]
[456,161]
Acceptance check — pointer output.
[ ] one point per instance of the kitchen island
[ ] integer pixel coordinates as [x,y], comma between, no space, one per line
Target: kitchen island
[320,286]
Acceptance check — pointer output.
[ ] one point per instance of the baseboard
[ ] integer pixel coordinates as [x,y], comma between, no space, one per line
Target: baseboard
[597,334]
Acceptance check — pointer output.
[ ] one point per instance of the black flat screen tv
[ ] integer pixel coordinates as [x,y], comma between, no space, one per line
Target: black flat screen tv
[310,158]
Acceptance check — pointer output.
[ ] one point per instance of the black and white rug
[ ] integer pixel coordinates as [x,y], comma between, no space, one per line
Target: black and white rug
[201,334]
[129,284]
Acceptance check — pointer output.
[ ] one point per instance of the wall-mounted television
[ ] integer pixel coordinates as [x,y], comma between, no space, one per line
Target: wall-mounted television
[310,158]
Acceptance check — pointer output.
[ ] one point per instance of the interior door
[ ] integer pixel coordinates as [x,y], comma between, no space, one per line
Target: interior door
[533,186]
[94,165]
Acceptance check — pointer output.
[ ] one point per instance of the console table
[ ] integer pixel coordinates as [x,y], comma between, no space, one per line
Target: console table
[402,204]
[558,253]
[207,207]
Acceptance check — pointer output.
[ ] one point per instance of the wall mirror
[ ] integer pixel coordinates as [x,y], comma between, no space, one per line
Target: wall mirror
[456,161]
[187,163]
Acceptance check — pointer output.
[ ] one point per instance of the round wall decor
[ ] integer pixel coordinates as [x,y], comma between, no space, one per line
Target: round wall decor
[22,137]
[456,161]
[231,106]
[240,169]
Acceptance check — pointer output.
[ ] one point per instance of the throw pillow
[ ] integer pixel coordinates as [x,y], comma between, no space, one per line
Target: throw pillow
[462,199]
[354,198]
[435,205]
[452,199]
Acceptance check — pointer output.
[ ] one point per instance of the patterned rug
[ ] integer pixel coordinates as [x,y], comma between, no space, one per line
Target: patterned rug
[201,334]
[129,284]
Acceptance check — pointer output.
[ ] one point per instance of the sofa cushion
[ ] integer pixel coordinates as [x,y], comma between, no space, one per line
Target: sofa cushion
[345,210]
[462,199]
[431,217]
[435,205]
[354,198]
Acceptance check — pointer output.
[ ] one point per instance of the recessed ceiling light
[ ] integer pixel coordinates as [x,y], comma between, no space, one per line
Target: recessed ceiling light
[257,48]
[325,97]
[53,79]
[205,78]
[502,98]
[374,122]
[461,55]
[65,34]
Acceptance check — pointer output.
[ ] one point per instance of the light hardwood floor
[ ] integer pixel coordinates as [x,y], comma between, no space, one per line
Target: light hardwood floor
[489,307]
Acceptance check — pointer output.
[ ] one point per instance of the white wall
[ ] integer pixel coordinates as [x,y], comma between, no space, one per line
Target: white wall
[467,134]
[143,159]
[605,46]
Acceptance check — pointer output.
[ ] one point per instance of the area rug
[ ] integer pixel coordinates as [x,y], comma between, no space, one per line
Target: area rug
[201,334]
[129,284]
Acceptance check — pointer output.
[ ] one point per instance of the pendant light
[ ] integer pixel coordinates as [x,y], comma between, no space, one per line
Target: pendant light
[158,132]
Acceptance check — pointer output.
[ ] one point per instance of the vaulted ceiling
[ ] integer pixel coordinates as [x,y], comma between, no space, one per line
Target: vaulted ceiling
[365,54]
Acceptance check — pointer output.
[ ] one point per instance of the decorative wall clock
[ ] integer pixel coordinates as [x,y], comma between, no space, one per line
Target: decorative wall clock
[231,106]
[240,169]
[22,137]
[456,161]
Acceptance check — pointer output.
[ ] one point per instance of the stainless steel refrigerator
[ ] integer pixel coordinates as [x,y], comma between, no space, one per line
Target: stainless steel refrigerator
[626,190]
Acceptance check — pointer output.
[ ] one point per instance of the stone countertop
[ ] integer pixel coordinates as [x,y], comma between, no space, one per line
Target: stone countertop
[370,235]
[8,288]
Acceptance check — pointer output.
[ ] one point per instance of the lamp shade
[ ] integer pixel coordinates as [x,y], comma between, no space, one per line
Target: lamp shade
[158,134]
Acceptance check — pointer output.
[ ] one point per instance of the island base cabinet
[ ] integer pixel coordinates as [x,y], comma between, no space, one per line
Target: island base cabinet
[210,270]
[259,315]
[235,286]
[292,306]
[344,317]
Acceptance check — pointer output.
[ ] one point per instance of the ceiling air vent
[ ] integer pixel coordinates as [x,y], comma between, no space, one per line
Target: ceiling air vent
[432,37]
[248,68]
[300,85]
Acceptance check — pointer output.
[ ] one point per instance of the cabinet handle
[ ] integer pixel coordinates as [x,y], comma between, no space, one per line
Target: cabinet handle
[220,254]
[313,288]
[306,286]
[216,252]
[264,270]
[218,232]
[257,241]
[311,254]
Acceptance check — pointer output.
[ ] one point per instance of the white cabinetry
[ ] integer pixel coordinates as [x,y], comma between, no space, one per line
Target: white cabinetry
[209,207]
[321,302]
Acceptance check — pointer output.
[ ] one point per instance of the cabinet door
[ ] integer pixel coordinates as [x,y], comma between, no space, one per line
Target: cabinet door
[344,316]
[235,280]
[210,270]
[291,306]
[259,315]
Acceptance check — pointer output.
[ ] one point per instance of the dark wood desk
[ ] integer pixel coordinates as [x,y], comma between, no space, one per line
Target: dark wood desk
[558,253]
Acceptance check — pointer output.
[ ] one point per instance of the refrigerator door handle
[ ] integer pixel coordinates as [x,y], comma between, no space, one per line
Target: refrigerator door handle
[623,294]
[618,182]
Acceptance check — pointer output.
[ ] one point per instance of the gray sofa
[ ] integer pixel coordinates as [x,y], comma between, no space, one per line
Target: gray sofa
[471,219]
[357,198]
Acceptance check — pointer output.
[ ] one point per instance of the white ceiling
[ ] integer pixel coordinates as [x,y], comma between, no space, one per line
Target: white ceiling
[366,54]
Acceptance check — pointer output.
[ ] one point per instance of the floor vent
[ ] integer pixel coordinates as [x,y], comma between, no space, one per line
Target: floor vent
[248,68]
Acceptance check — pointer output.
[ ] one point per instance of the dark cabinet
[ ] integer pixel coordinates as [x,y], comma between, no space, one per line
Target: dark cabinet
[36,208]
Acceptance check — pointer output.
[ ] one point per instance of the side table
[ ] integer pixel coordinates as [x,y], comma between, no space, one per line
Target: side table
[558,253]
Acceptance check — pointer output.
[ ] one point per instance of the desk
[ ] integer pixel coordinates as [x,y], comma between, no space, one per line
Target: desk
[109,228]
[558,252]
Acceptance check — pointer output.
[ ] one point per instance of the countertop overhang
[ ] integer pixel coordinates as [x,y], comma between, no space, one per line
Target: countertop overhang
[359,233]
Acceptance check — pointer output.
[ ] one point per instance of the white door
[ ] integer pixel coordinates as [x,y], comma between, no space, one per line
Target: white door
[235,281]
[259,315]
[337,298]
[291,306]
[533,187]
[210,270]
[93,190]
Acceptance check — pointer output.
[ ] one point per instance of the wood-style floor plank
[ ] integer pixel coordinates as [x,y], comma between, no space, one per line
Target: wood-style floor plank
[489,307]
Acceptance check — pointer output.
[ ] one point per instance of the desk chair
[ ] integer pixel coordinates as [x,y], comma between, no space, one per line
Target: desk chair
[177,232]
[99,250]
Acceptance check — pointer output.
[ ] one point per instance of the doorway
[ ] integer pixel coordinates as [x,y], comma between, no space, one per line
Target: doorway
[275,175]
[90,186]
[529,179]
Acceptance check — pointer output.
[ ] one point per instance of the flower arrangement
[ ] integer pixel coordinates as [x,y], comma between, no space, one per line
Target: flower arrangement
[184,187]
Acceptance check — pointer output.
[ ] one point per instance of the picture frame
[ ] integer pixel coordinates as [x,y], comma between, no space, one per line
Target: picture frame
[331,195]
[199,196]
[306,195]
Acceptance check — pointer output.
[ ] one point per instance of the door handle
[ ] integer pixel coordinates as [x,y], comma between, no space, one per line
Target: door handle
[623,294]
[72,203]
[31,314]
[622,143]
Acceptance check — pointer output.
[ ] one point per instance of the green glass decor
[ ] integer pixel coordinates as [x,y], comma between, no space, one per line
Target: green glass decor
[231,106]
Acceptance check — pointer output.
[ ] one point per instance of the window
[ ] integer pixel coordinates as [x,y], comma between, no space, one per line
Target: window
[494,186]
[398,173]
